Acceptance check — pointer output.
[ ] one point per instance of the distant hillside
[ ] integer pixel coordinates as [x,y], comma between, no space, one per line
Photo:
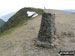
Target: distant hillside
[7,16]
[19,18]
[70,10]
[1,22]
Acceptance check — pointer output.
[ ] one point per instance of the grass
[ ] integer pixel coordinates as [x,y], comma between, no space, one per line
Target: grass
[17,20]
[9,31]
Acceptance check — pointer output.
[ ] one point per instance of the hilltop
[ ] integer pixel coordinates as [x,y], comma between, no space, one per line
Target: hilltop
[21,41]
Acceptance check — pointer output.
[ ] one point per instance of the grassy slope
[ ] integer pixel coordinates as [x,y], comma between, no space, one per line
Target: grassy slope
[17,20]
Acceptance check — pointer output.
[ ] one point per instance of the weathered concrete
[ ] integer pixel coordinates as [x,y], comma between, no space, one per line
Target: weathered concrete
[47,30]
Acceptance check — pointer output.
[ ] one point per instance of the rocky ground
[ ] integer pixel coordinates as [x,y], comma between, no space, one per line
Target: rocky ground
[21,41]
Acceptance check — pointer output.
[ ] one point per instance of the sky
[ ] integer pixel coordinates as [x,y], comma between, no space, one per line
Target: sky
[7,6]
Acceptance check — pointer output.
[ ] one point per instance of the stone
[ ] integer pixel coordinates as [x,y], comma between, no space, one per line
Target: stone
[47,30]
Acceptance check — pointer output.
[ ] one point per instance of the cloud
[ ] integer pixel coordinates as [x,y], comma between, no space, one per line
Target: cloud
[14,5]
